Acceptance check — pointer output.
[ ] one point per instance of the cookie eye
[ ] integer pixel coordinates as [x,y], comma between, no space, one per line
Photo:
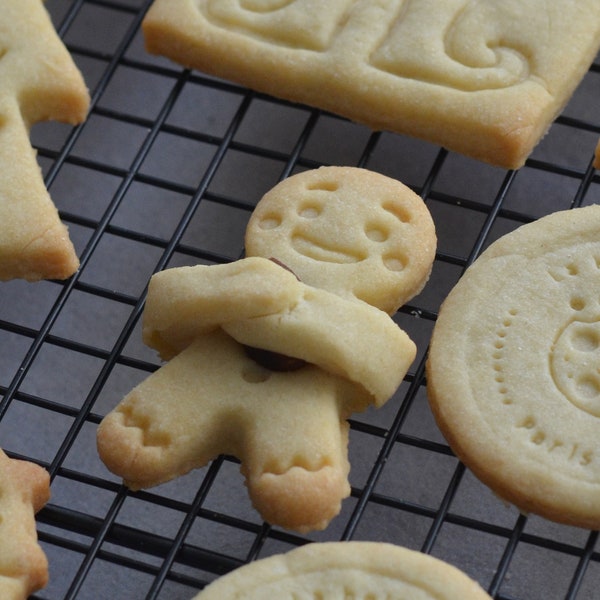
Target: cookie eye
[376,233]
[577,303]
[398,211]
[395,263]
[271,221]
[586,339]
[309,211]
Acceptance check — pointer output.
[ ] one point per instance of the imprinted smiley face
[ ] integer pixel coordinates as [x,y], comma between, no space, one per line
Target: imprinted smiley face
[347,230]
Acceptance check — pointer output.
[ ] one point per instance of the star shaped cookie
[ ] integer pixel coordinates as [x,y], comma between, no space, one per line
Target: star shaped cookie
[38,81]
[24,489]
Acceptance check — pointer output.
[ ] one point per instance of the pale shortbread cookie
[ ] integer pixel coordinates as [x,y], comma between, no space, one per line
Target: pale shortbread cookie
[351,231]
[346,570]
[513,374]
[485,78]
[24,489]
[38,82]
[288,429]
[284,415]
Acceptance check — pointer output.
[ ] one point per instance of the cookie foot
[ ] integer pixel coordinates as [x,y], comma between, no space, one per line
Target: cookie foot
[299,499]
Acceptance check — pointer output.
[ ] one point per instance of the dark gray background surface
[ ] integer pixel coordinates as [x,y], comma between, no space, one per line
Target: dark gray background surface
[165,172]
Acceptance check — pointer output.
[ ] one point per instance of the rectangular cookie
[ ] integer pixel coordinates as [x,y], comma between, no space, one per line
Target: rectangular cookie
[38,81]
[484,78]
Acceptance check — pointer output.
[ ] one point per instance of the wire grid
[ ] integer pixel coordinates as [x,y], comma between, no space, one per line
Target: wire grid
[165,172]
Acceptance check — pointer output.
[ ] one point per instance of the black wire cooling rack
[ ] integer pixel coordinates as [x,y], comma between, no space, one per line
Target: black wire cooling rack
[165,172]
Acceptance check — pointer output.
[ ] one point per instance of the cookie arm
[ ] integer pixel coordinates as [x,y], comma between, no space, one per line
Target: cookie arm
[186,302]
[344,337]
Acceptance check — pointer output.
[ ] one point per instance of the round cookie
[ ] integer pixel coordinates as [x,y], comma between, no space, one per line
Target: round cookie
[347,230]
[346,570]
[513,374]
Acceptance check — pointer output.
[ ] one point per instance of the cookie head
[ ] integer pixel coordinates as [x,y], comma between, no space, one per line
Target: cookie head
[347,230]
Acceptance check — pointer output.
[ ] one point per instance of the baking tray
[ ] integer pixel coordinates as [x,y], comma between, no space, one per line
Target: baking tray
[165,172]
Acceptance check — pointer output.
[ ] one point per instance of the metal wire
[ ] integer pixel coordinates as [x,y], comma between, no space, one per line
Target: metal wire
[104,541]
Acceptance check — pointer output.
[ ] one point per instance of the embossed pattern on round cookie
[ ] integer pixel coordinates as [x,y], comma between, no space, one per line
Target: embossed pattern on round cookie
[346,570]
[347,230]
[514,367]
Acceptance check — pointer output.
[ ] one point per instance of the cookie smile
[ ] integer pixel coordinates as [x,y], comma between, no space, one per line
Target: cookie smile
[310,248]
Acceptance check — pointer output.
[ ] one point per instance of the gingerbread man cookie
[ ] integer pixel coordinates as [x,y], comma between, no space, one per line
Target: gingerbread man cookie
[24,489]
[267,367]
[38,82]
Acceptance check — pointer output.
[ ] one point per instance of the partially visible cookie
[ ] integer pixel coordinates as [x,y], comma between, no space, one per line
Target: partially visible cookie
[597,157]
[346,570]
[24,489]
[351,231]
[38,82]
[513,375]
[484,78]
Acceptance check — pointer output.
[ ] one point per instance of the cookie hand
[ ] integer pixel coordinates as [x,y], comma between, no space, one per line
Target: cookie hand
[186,302]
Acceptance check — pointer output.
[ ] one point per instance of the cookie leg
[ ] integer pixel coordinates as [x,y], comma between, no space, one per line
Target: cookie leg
[302,498]
[295,456]
[287,429]
[177,419]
